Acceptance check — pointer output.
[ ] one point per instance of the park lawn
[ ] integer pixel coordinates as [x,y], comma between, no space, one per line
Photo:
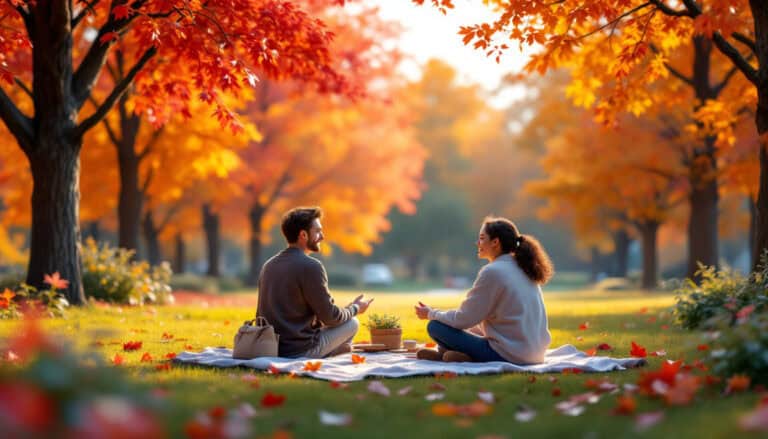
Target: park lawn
[616,318]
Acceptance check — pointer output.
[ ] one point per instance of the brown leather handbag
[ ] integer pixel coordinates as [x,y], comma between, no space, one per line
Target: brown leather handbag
[256,338]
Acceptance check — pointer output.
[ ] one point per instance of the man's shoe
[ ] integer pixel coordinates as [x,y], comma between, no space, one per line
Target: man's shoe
[456,357]
[429,354]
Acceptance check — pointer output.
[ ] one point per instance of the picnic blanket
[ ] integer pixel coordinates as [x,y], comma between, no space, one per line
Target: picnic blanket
[395,365]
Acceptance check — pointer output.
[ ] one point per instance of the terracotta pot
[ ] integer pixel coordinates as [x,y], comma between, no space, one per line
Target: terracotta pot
[391,338]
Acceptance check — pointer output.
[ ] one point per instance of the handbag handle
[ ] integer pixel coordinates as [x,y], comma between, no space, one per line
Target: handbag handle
[258,321]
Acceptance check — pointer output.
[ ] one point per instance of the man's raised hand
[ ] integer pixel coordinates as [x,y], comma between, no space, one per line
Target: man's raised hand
[362,304]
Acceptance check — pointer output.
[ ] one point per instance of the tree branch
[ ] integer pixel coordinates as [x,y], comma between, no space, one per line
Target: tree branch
[17,122]
[727,77]
[118,91]
[660,5]
[84,12]
[151,143]
[735,56]
[23,86]
[676,73]
[745,40]
[614,21]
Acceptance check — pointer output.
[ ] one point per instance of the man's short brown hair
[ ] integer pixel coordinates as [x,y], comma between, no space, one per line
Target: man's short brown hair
[298,219]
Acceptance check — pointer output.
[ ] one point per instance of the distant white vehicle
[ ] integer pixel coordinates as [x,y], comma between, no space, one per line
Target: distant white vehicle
[377,274]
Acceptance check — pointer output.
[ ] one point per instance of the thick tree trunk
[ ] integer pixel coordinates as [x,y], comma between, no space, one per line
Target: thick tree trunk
[151,239]
[752,230]
[648,232]
[130,198]
[256,216]
[594,264]
[760,17]
[213,239]
[620,253]
[181,250]
[55,231]
[702,224]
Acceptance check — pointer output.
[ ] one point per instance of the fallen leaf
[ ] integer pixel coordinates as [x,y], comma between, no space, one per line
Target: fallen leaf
[591,352]
[643,310]
[584,326]
[532,379]
[405,390]
[524,413]
[272,400]
[556,391]
[683,391]
[756,420]
[644,421]
[637,351]
[163,366]
[445,409]
[338,385]
[379,388]
[487,397]
[273,370]
[570,408]
[437,386]
[475,409]
[604,347]
[132,346]
[702,347]
[146,357]
[170,355]
[737,383]
[434,396]
[625,405]
[430,345]
[358,359]
[117,360]
[167,336]
[312,366]
[334,419]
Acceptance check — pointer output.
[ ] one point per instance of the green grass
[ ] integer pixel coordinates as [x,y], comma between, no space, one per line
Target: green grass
[614,318]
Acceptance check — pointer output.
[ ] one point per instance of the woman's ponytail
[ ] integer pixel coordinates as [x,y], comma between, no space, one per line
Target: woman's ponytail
[527,251]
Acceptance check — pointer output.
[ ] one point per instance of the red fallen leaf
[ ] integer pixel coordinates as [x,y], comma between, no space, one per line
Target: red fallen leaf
[711,380]
[651,319]
[556,391]
[667,375]
[591,352]
[358,359]
[272,400]
[117,360]
[643,310]
[702,347]
[189,347]
[146,357]
[167,336]
[273,370]
[683,390]
[338,385]
[584,326]
[132,346]
[163,366]
[312,366]
[737,383]
[445,375]
[108,36]
[532,379]
[430,345]
[604,347]
[170,355]
[625,405]
[637,351]
[217,412]
[665,327]
[573,370]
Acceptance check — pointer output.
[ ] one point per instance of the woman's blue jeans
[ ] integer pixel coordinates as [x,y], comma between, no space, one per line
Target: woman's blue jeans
[453,339]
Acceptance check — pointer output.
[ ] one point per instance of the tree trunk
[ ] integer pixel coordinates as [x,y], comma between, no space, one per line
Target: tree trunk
[414,266]
[180,260]
[151,239]
[130,200]
[620,253]
[752,230]
[256,215]
[648,231]
[760,17]
[55,231]
[213,239]
[594,264]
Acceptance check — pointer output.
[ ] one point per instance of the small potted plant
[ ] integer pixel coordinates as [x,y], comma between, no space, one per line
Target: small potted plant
[385,329]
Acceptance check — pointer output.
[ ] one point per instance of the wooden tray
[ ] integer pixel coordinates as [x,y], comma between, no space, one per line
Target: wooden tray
[370,347]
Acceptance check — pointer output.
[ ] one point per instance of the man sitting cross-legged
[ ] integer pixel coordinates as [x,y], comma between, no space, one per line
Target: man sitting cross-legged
[294,296]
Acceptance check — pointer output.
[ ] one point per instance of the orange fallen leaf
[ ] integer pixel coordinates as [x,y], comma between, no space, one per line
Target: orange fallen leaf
[445,409]
[170,355]
[738,383]
[312,366]
[702,347]
[117,360]
[358,359]
[430,345]
[625,405]
[146,357]
[591,352]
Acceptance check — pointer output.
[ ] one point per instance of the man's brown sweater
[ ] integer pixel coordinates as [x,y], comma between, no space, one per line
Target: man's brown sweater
[294,298]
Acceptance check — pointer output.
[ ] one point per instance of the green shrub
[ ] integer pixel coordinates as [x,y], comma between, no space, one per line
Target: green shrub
[383,321]
[48,301]
[230,283]
[11,280]
[720,297]
[109,274]
[742,349]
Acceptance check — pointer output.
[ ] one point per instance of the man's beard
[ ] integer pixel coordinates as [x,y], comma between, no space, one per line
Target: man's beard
[313,245]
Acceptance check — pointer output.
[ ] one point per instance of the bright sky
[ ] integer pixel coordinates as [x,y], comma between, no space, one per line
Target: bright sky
[429,34]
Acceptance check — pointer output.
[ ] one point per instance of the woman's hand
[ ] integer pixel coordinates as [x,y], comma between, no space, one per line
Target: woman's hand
[422,311]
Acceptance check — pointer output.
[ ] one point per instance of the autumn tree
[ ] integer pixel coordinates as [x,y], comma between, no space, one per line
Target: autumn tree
[642,37]
[56,50]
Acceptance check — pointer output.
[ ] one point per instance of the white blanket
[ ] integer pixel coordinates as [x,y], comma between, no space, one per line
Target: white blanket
[393,365]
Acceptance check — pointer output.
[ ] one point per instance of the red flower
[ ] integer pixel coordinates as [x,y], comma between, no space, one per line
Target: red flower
[272,400]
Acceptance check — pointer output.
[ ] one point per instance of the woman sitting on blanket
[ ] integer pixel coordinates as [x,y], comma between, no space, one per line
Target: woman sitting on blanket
[502,317]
